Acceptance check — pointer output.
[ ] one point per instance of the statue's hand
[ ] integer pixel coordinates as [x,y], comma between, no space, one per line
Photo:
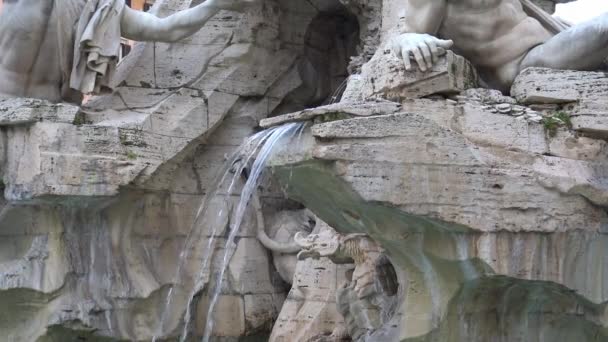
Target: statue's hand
[425,49]
[233,5]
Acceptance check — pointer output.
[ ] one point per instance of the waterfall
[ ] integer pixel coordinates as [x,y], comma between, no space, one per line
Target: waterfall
[250,186]
[466,264]
[258,149]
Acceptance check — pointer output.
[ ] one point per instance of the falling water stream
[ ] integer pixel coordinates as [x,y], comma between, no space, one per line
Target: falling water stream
[462,249]
[258,149]
[250,186]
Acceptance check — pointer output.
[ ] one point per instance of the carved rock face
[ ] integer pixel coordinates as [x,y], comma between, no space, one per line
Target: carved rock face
[324,244]
[134,166]
[283,227]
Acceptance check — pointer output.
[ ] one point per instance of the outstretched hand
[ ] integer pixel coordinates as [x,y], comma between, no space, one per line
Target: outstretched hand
[425,49]
[233,5]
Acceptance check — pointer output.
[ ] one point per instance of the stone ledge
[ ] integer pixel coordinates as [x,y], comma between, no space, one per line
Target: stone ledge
[580,94]
[20,111]
[393,159]
[342,110]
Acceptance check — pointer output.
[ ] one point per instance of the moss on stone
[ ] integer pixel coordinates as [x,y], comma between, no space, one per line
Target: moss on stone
[554,122]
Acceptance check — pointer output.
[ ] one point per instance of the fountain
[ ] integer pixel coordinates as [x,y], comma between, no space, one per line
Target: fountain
[282,176]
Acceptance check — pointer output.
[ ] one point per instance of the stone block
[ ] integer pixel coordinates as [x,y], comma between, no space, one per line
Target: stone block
[384,76]
[260,311]
[543,85]
[228,316]
[581,94]
[479,161]
[63,159]
[590,117]
[19,111]
[570,146]
[249,268]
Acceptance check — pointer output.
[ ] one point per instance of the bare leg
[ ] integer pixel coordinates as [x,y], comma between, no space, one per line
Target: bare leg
[581,47]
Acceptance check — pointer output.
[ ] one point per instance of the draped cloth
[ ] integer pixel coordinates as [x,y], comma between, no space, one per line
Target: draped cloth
[67,14]
[96,46]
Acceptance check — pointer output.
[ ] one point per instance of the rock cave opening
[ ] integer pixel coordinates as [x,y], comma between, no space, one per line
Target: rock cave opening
[331,39]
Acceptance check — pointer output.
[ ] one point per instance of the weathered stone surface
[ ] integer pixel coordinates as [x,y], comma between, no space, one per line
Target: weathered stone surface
[326,112]
[310,308]
[466,161]
[368,298]
[105,198]
[542,85]
[19,111]
[76,268]
[102,268]
[249,267]
[582,95]
[228,319]
[384,76]
[261,310]
[461,155]
[169,101]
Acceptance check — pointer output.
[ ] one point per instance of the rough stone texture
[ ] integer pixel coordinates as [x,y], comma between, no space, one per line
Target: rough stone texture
[174,98]
[330,112]
[535,202]
[229,318]
[582,95]
[385,77]
[113,190]
[477,144]
[371,19]
[310,310]
[103,197]
[19,111]
[541,85]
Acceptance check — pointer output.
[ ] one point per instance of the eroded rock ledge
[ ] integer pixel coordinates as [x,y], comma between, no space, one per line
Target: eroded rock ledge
[475,181]
[527,182]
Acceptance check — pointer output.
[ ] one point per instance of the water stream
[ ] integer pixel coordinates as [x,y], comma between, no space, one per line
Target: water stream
[251,185]
[256,150]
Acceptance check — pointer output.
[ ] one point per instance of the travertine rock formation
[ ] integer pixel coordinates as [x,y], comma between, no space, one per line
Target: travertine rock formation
[527,183]
[102,197]
[490,208]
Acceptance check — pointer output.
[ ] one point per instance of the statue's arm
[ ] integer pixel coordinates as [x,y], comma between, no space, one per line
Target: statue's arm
[422,21]
[142,26]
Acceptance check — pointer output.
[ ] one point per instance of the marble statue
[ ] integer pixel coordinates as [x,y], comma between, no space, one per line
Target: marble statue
[282,227]
[58,50]
[310,311]
[500,37]
[368,299]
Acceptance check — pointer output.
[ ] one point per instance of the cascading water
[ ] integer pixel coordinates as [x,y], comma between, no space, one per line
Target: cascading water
[462,249]
[250,186]
[259,148]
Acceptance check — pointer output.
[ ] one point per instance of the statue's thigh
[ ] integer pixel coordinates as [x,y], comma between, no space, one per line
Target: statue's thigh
[582,47]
